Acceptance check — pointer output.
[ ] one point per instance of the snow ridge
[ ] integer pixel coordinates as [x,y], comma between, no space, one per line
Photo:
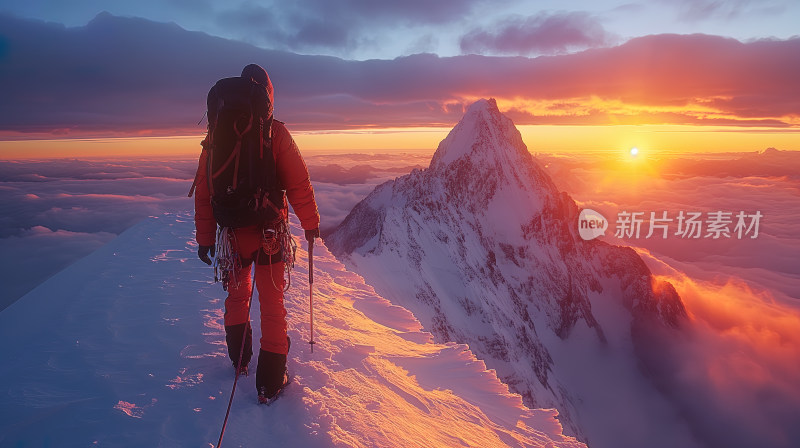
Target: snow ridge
[126,348]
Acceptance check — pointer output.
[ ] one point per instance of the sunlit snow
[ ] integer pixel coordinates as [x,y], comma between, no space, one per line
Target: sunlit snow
[126,348]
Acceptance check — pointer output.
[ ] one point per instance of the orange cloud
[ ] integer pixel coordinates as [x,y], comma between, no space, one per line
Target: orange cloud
[737,361]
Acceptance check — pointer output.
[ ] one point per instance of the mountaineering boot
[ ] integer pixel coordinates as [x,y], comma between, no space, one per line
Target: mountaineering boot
[271,375]
[263,399]
[233,336]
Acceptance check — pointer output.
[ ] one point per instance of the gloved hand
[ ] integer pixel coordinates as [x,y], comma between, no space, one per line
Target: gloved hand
[203,252]
[311,234]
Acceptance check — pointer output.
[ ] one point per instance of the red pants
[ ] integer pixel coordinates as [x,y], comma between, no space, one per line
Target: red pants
[269,284]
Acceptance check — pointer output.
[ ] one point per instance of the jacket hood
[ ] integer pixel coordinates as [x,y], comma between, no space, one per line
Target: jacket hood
[259,75]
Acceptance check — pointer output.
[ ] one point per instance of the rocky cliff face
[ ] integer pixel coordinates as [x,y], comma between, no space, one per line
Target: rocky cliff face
[485,251]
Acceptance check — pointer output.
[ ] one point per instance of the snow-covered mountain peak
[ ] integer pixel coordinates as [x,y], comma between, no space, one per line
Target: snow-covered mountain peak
[483,133]
[484,250]
[484,168]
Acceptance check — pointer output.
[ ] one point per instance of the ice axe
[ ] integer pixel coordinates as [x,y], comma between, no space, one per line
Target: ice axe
[311,290]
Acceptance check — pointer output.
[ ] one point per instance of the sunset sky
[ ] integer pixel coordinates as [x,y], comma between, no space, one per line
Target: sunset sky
[361,75]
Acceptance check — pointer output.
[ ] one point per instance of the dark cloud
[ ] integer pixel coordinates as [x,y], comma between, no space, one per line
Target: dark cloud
[315,25]
[597,115]
[694,10]
[323,33]
[419,11]
[121,75]
[540,34]
[254,23]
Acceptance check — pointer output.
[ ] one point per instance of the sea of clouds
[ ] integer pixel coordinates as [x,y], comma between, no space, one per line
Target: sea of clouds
[767,182]
[732,371]
[53,212]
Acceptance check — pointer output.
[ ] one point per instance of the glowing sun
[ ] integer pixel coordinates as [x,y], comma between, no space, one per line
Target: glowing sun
[634,151]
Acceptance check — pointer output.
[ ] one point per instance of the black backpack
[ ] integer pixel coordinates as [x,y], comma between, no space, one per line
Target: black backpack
[242,178]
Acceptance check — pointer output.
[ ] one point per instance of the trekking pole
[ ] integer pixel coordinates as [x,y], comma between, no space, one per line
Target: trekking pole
[311,289]
[238,366]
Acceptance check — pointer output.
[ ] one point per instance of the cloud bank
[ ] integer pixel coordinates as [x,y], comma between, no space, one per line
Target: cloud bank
[313,25]
[132,76]
[542,33]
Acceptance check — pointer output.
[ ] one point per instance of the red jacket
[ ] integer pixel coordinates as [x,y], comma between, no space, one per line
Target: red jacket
[292,172]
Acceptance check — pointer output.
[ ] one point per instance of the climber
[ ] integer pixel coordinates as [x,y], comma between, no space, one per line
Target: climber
[248,168]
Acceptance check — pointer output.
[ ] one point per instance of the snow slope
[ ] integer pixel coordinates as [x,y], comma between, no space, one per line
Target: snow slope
[126,348]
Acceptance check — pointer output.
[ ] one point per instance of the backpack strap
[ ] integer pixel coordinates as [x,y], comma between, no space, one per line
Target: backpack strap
[194,182]
[236,153]
[261,138]
[194,186]
[267,201]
